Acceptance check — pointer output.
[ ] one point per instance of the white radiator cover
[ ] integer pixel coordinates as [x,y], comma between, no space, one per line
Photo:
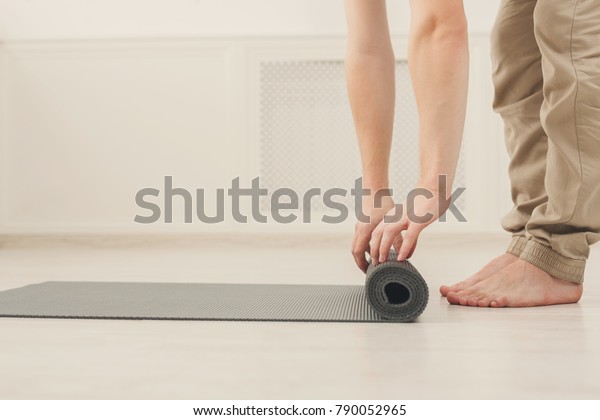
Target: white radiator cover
[307,137]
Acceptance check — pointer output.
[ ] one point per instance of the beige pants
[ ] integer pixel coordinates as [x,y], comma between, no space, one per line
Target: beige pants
[546,62]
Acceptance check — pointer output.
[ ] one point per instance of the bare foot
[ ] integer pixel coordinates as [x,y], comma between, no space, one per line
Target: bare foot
[487,271]
[518,285]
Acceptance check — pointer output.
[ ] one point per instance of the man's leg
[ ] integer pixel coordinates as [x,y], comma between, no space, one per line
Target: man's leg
[518,82]
[560,230]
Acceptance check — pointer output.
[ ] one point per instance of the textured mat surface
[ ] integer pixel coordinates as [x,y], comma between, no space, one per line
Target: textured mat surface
[394,292]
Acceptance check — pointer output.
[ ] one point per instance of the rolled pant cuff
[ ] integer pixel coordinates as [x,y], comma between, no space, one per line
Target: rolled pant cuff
[517,245]
[552,262]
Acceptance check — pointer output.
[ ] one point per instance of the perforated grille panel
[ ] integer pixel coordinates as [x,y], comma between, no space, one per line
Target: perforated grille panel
[307,134]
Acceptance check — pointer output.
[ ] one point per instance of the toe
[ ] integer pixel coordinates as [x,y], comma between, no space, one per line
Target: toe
[463,298]
[498,302]
[452,298]
[472,301]
[456,288]
[503,302]
[484,302]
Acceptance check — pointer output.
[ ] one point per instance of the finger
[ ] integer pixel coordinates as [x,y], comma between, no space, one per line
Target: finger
[386,241]
[361,245]
[397,243]
[374,243]
[361,260]
[409,241]
[412,251]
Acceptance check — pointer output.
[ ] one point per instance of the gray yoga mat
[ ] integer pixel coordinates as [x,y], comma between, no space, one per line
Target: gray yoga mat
[394,292]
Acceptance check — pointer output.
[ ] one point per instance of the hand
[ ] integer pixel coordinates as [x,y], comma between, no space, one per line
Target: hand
[402,226]
[363,230]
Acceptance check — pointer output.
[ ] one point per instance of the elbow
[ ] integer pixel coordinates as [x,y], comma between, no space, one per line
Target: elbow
[451,30]
[455,31]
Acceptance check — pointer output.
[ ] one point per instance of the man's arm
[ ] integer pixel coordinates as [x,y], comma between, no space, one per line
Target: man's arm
[438,63]
[370,70]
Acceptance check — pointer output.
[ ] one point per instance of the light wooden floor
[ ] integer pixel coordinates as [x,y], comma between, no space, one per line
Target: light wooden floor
[452,352]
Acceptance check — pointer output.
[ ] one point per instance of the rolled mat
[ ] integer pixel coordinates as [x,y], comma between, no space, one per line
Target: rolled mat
[394,292]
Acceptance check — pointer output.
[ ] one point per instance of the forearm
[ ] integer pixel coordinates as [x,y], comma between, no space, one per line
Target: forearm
[439,62]
[370,78]
[371,92]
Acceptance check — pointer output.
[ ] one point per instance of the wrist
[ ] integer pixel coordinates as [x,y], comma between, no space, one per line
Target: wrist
[437,182]
[375,184]
[377,202]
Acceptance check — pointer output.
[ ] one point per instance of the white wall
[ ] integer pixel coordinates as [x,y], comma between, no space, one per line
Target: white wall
[101,98]
[51,19]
